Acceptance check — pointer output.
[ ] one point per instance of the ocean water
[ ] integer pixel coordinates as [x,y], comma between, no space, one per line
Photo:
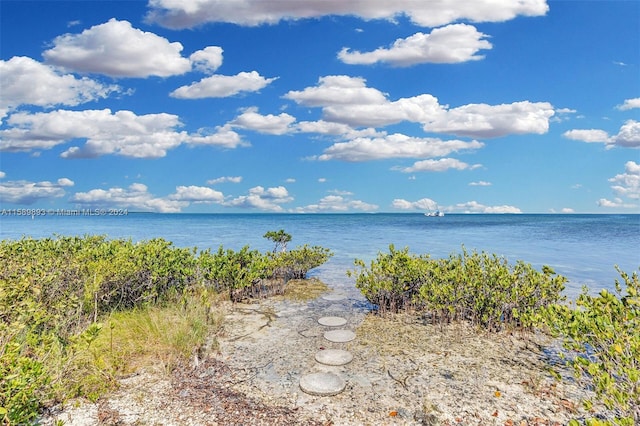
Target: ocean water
[583,248]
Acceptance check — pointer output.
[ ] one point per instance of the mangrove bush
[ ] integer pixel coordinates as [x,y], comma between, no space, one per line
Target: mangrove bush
[477,287]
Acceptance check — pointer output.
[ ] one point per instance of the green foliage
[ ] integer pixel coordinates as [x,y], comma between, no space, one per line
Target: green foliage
[476,287]
[295,264]
[58,294]
[233,271]
[603,334]
[280,238]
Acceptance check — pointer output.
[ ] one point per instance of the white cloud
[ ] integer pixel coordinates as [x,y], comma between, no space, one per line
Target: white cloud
[221,86]
[395,146]
[135,197]
[270,124]
[337,204]
[475,207]
[336,129]
[269,199]
[207,60]
[122,133]
[222,136]
[2,175]
[25,81]
[615,203]
[223,179]
[480,183]
[117,49]
[587,135]
[567,210]
[629,104]
[440,165]
[451,44]
[422,204]
[627,137]
[490,121]
[337,90]
[197,194]
[627,184]
[188,14]
[27,193]
[347,100]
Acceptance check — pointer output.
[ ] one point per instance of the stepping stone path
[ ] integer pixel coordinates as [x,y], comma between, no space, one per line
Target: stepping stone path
[327,383]
[339,336]
[334,357]
[332,321]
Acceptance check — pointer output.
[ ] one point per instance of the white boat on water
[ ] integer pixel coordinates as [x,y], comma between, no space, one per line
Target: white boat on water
[437,213]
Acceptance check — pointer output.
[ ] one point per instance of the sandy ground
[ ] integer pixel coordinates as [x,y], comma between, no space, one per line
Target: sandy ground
[403,373]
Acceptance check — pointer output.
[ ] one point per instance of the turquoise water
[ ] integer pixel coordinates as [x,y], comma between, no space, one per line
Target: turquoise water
[584,248]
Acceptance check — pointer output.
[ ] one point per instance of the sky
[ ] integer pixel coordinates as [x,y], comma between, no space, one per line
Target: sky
[321,106]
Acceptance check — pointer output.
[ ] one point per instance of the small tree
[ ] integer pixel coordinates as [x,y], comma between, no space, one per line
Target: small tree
[280,238]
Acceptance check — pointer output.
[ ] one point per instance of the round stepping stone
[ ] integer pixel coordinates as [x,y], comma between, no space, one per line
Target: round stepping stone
[322,384]
[334,357]
[332,321]
[339,336]
[334,297]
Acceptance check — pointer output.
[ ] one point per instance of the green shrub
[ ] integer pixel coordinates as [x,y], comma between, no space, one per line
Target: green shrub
[603,334]
[295,264]
[477,287]
[56,294]
[393,280]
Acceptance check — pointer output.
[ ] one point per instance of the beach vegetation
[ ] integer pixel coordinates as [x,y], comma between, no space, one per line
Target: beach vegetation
[280,239]
[601,339]
[477,287]
[76,313]
[599,333]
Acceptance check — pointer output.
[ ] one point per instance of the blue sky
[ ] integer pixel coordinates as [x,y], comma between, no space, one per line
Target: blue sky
[483,106]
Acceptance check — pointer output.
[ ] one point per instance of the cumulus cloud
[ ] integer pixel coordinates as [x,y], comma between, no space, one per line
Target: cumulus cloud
[337,90]
[188,14]
[615,203]
[337,204]
[490,121]
[394,146]
[480,183]
[269,199]
[271,124]
[440,165]
[587,135]
[27,193]
[220,136]
[223,179]
[207,60]
[627,184]
[628,136]
[25,81]
[629,104]
[135,197]
[422,204]
[122,133]
[451,44]
[197,194]
[348,100]
[475,207]
[221,86]
[117,49]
